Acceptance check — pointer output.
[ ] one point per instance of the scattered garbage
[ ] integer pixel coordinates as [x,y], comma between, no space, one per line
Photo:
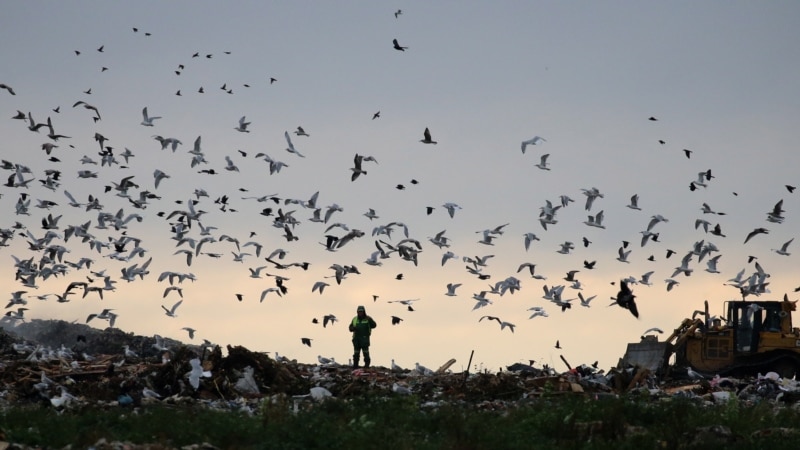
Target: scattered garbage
[42,367]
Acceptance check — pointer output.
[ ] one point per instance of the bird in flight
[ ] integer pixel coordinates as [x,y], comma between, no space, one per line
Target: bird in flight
[397,45]
[427,137]
[625,299]
[533,141]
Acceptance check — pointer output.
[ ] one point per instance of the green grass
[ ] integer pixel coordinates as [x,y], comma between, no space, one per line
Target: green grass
[400,423]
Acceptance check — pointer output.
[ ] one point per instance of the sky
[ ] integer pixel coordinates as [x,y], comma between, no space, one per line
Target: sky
[720,77]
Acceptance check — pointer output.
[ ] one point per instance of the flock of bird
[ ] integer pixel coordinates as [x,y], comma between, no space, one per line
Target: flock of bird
[67,248]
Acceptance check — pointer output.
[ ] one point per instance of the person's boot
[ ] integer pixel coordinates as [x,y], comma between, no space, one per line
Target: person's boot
[366,363]
[355,362]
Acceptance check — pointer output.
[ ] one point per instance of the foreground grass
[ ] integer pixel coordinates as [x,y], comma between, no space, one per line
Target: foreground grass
[400,423]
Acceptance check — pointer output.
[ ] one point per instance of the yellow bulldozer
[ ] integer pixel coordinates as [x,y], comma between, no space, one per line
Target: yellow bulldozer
[754,337]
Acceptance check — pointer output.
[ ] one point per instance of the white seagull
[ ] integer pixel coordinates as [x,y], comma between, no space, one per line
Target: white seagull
[543,162]
[784,250]
[533,141]
[242,128]
[171,312]
[147,120]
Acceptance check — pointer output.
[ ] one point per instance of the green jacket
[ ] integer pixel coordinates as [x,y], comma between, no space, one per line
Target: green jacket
[362,328]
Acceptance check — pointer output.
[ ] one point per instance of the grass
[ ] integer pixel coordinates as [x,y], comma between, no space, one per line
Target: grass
[401,423]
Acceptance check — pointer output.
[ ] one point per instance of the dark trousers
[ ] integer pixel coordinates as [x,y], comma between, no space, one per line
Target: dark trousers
[357,350]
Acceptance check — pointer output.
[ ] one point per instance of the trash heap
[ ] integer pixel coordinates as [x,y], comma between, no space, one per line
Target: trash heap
[59,364]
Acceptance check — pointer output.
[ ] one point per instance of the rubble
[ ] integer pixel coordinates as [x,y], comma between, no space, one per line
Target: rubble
[58,364]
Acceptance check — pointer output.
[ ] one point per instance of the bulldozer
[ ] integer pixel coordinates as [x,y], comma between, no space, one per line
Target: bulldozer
[754,337]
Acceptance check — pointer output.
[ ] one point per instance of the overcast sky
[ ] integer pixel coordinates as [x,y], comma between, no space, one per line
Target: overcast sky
[720,77]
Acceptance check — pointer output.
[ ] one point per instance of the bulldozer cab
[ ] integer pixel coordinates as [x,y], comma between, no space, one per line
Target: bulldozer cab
[749,319]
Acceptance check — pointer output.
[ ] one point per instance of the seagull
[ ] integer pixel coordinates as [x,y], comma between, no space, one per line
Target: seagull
[319,286]
[196,373]
[711,264]
[655,220]
[301,132]
[623,255]
[290,147]
[427,137]
[585,301]
[397,45]
[189,330]
[529,237]
[596,220]
[784,248]
[146,119]
[328,318]
[451,289]
[755,232]
[398,388]
[634,204]
[694,375]
[242,128]
[543,162]
[533,141]
[653,330]
[671,283]
[171,312]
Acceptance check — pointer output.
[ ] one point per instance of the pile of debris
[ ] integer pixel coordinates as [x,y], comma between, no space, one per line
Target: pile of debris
[37,366]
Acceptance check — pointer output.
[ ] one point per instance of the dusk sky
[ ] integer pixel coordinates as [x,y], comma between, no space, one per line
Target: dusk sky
[719,77]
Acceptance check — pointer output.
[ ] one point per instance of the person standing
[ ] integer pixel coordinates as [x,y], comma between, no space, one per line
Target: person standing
[361,326]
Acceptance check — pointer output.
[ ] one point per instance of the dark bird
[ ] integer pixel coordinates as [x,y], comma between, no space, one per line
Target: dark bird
[692,186]
[571,275]
[239,297]
[687,152]
[8,88]
[625,298]
[429,210]
[670,252]
[717,231]
[396,320]
[653,119]
[314,320]
[272,80]
[376,115]
[399,276]
[586,242]
[397,46]
[427,137]
[306,341]
[662,142]
[100,49]
[589,264]
[755,232]
[790,188]
[558,345]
